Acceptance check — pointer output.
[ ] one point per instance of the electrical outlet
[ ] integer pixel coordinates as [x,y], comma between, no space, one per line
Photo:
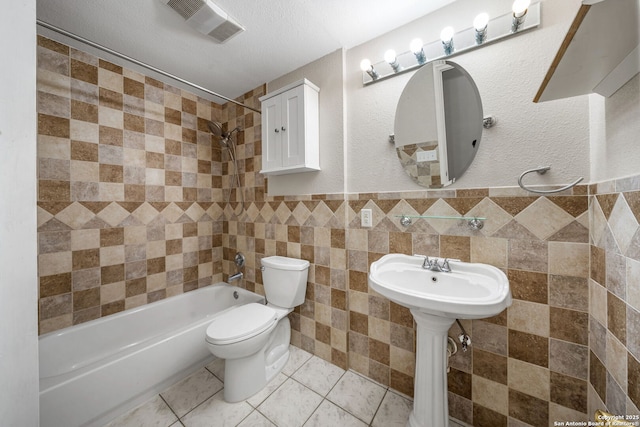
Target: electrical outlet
[366,218]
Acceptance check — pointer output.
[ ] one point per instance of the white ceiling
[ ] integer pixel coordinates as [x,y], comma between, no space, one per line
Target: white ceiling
[280,36]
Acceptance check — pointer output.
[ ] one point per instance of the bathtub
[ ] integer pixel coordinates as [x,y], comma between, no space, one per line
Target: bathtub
[93,372]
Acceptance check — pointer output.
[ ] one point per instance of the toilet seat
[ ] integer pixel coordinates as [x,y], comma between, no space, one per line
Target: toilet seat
[241,323]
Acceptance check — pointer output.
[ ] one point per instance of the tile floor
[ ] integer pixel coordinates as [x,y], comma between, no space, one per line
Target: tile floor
[309,392]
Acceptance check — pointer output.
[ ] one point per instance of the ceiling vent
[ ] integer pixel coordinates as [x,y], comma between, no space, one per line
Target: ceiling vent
[206,17]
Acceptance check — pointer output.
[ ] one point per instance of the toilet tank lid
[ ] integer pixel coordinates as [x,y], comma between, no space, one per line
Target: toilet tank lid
[285,263]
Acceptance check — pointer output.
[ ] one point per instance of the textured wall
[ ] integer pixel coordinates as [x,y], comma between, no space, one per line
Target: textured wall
[507,74]
[327,74]
[614,148]
[129,189]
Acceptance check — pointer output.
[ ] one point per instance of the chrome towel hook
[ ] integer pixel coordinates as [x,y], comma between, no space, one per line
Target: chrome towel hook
[542,170]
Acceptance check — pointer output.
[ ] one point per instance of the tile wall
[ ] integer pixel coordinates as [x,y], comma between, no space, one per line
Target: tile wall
[132,208]
[614,286]
[129,191]
[527,366]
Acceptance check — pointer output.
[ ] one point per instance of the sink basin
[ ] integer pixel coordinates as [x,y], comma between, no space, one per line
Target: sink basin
[469,291]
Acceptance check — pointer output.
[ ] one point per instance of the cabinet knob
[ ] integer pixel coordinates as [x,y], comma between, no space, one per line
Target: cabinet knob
[277,130]
[283,128]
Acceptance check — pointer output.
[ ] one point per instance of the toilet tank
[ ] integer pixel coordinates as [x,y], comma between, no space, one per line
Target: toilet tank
[285,280]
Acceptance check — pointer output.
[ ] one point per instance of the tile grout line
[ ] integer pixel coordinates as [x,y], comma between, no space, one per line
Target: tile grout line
[171,409]
[379,405]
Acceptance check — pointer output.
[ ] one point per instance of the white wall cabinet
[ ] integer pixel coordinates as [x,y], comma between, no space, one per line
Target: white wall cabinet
[291,130]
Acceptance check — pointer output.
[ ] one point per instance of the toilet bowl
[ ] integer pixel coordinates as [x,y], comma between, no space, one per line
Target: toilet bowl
[253,339]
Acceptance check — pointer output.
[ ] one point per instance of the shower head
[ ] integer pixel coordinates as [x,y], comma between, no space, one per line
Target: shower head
[216,129]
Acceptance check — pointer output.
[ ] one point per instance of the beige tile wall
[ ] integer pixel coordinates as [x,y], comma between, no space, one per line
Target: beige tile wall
[128,209]
[614,286]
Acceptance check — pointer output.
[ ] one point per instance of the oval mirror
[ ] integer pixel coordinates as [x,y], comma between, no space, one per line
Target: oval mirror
[438,124]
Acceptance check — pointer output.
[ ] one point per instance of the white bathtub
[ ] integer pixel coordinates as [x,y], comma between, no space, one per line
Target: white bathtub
[95,371]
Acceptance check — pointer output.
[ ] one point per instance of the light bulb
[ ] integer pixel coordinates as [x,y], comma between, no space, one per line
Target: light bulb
[447,34]
[390,56]
[416,45]
[480,22]
[520,7]
[365,66]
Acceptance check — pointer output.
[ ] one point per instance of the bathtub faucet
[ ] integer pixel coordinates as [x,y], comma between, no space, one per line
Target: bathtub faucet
[237,276]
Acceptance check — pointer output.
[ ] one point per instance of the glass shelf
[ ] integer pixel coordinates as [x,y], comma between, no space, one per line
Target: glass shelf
[474,222]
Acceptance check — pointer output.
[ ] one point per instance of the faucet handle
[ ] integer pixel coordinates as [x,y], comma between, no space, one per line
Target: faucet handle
[426,263]
[445,265]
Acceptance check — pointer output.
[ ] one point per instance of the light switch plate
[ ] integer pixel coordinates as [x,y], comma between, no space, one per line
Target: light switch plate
[427,156]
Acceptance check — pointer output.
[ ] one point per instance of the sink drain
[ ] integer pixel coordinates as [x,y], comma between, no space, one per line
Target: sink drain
[434,279]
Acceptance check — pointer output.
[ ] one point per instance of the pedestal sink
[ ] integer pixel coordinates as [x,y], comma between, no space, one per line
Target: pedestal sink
[436,299]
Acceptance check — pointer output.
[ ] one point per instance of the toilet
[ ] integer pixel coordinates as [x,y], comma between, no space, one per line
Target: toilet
[254,338]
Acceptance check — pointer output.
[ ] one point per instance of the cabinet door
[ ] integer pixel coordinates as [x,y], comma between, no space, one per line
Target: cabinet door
[271,145]
[292,129]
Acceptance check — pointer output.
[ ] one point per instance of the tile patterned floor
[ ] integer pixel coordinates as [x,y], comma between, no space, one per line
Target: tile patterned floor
[309,392]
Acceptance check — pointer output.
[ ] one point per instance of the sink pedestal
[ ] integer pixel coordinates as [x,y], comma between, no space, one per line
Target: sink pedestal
[430,402]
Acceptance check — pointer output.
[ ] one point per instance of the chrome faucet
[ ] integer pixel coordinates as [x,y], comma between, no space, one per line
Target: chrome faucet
[237,276]
[239,260]
[433,265]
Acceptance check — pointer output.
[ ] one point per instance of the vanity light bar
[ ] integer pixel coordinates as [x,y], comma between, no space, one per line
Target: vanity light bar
[523,16]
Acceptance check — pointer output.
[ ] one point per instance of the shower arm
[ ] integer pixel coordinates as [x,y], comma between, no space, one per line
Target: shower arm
[139,63]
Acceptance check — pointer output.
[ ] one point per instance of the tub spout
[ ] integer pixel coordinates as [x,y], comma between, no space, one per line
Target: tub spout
[237,276]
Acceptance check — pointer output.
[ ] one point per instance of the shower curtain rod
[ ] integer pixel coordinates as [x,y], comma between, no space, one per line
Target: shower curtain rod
[139,63]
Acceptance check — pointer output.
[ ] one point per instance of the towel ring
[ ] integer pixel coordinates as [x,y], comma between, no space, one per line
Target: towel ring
[541,171]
